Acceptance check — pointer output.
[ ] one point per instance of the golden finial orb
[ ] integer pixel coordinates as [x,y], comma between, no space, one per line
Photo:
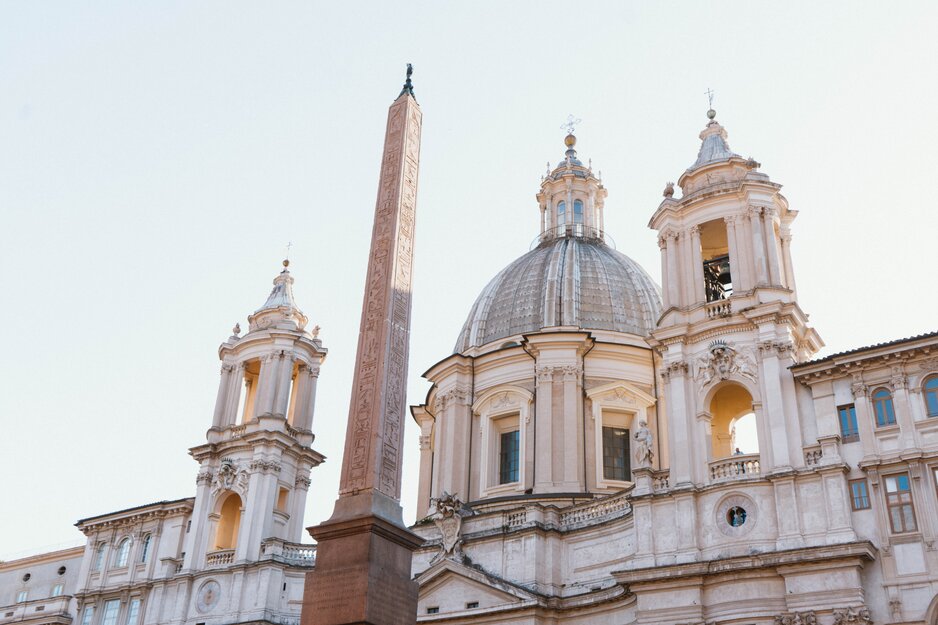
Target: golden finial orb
[286,262]
[569,140]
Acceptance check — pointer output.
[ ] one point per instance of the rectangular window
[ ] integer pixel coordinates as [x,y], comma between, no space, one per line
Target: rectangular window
[88,616]
[111,608]
[508,457]
[899,503]
[472,604]
[859,495]
[133,612]
[616,454]
[21,596]
[848,423]
[57,590]
[433,610]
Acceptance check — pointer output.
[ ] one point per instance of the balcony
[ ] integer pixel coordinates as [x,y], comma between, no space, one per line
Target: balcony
[218,559]
[49,610]
[296,554]
[733,468]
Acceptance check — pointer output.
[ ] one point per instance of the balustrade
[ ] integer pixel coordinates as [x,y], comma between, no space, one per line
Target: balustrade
[217,559]
[735,468]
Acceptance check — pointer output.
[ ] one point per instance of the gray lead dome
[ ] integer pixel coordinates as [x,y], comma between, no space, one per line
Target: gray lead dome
[569,281]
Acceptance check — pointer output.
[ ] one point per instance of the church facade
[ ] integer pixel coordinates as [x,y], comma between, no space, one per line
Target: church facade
[594,450]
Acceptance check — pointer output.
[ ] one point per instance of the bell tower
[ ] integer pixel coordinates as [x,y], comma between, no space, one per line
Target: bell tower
[731,325]
[254,469]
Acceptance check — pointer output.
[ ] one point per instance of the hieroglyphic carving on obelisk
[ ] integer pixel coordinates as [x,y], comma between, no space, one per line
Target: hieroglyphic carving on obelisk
[373,444]
[363,558]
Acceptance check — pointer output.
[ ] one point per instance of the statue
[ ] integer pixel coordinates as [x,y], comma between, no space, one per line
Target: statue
[447,515]
[644,454]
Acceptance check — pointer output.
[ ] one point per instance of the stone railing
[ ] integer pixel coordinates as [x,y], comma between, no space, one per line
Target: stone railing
[516,518]
[660,480]
[734,468]
[718,309]
[47,609]
[812,455]
[236,431]
[594,510]
[297,554]
[219,558]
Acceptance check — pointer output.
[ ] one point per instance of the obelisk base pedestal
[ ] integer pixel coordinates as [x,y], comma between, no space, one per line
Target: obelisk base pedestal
[362,574]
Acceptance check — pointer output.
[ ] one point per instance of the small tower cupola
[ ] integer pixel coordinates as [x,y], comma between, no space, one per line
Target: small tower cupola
[571,197]
[280,310]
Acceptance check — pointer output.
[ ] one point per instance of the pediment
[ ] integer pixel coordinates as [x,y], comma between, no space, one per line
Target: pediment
[621,393]
[450,586]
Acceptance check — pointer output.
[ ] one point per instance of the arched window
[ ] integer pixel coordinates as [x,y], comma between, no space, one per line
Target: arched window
[561,213]
[577,211]
[145,548]
[882,405]
[57,590]
[226,533]
[930,391]
[123,553]
[99,557]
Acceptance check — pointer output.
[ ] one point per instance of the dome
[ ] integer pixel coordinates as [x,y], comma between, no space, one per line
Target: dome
[570,281]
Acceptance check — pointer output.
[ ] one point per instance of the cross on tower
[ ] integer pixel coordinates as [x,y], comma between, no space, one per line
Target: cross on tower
[709,94]
[289,245]
[570,124]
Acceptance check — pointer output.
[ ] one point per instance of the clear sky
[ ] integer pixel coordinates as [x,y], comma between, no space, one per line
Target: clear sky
[156,157]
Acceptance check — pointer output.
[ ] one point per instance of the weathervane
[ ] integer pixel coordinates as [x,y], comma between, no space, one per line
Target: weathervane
[570,124]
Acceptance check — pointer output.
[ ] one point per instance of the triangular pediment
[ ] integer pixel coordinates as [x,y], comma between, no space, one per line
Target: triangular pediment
[452,587]
[621,392]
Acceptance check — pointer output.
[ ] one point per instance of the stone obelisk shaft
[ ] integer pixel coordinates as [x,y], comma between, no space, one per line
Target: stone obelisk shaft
[363,558]
[371,465]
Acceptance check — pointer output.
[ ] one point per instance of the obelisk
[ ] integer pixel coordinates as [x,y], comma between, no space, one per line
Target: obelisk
[363,557]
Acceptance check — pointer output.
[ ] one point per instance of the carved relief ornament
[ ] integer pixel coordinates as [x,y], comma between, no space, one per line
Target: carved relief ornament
[447,515]
[796,618]
[231,476]
[722,361]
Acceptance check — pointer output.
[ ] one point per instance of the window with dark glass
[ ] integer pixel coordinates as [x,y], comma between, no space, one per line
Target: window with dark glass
[434,610]
[508,457]
[616,454]
[930,391]
[882,406]
[577,211]
[859,495]
[899,503]
[848,423]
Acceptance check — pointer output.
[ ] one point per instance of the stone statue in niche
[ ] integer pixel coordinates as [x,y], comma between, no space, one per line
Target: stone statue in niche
[644,454]
[447,516]
[722,361]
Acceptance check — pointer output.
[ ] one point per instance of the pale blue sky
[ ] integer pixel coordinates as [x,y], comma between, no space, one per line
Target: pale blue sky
[156,157]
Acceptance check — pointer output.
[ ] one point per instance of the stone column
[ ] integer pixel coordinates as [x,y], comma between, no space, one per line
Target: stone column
[864,410]
[674,271]
[699,292]
[219,418]
[771,245]
[740,282]
[773,403]
[233,396]
[758,246]
[679,431]
[284,385]
[298,504]
[665,276]
[363,560]
[266,379]
[426,459]
[572,427]
[305,408]
[901,404]
[786,259]
[543,444]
